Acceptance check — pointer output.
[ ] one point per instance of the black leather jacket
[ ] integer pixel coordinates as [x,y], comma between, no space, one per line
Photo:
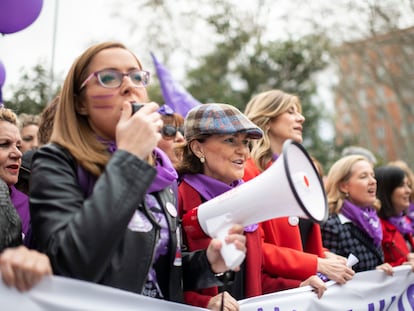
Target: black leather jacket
[89,238]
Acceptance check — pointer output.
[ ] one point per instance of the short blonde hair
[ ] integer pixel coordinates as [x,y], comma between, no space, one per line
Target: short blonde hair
[340,172]
[8,115]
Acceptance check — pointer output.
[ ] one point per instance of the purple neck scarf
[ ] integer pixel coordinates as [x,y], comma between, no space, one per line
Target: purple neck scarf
[210,188]
[166,173]
[402,223]
[207,186]
[21,204]
[365,218]
[410,212]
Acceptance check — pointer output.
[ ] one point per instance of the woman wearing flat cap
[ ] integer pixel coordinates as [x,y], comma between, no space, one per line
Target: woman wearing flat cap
[213,162]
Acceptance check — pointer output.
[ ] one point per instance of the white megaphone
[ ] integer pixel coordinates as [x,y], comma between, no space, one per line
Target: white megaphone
[290,187]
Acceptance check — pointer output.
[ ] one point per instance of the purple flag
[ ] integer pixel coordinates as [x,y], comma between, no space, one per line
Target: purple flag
[173,93]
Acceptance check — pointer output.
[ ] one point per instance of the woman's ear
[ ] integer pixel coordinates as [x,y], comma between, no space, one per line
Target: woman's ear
[82,110]
[343,187]
[197,148]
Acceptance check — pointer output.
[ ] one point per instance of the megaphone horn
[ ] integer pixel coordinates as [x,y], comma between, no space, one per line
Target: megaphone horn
[291,186]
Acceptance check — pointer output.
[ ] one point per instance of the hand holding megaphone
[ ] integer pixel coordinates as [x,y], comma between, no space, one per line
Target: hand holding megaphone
[290,187]
[219,227]
[235,237]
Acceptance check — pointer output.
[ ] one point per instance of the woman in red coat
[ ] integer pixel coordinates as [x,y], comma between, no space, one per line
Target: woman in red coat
[292,247]
[217,148]
[394,192]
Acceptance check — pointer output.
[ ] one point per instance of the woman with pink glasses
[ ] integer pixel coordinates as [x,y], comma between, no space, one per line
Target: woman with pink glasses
[102,195]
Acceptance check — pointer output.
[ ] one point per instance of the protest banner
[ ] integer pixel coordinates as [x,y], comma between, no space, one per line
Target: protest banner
[367,291]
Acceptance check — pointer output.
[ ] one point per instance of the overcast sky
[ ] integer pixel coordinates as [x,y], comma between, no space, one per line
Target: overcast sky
[80,22]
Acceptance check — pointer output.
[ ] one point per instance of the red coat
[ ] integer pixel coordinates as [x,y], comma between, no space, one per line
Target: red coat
[189,198]
[394,245]
[284,255]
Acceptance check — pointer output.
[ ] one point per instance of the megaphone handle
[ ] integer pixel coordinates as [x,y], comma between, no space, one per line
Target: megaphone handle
[231,255]
[218,227]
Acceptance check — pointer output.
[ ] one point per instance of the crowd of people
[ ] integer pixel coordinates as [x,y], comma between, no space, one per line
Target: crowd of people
[91,190]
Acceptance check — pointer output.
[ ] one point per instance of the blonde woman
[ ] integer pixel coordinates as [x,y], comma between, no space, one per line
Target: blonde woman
[293,248]
[353,225]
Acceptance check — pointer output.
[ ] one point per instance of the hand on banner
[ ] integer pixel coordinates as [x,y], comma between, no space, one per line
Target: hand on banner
[223,301]
[335,268]
[409,263]
[318,285]
[23,268]
[333,255]
[386,267]
[213,251]
[410,257]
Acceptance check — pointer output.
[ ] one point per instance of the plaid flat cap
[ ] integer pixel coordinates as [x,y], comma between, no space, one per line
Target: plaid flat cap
[216,118]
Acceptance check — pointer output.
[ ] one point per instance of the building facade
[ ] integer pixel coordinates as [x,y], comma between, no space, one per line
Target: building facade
[374,97]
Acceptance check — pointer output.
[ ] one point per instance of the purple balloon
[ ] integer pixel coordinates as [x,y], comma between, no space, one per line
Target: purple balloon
[16,15]
[2,74]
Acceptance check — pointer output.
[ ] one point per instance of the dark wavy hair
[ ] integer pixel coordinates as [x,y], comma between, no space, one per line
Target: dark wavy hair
[388,178]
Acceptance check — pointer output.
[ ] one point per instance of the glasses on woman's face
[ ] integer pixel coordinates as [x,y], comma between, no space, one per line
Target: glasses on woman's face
[112,79]
[170,131]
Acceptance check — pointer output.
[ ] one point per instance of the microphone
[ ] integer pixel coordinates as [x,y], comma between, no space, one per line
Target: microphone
[136,107]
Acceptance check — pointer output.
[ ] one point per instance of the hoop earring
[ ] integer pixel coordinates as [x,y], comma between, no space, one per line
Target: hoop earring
[202,159]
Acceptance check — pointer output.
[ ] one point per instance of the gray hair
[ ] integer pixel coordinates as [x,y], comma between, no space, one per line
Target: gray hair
[356,150]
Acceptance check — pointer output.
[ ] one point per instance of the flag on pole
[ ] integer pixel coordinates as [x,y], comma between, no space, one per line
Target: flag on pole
[2,80]
[173,93]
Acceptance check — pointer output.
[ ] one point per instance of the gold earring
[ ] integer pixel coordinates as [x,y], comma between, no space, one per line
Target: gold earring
[202,159]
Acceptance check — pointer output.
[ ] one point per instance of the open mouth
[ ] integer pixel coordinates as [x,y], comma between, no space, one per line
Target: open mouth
[238,162]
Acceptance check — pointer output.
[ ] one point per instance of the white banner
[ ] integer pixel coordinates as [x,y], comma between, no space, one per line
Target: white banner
[63,294]
[367,291]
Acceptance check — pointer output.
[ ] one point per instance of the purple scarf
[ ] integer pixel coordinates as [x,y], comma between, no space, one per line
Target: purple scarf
[402,223]
[210,188]
[365,218]
[166,174]
[410,212]
[21,204]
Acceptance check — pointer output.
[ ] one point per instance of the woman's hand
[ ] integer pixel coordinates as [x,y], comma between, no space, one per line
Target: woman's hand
[386,267]
[318,285]
[410,257]
[139,134]
[23,268]
[409,263]
[335,269]
[213,251]
[333,255]
[229,303]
